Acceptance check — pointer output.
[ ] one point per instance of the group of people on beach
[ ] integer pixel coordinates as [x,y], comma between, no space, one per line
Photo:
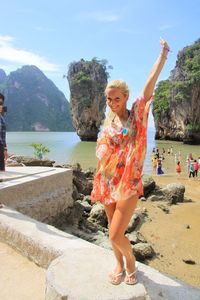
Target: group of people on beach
[158,157]
[193,166]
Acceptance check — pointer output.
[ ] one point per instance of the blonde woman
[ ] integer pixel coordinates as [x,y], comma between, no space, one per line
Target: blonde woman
[121,149]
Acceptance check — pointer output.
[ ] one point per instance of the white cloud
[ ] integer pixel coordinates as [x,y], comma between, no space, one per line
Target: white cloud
[165,27]
[99,16]
[11,54]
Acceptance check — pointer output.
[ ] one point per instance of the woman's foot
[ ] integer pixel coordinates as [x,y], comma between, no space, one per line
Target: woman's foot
[130,278]
[116,278]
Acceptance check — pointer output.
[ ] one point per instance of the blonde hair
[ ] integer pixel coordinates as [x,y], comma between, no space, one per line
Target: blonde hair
[120,84]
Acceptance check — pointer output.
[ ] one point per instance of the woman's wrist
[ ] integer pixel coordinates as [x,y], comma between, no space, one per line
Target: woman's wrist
[164,52]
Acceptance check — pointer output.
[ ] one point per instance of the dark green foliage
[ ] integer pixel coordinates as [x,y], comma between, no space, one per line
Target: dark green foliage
[39,150]
[162,97]
[181,90]
[193,127]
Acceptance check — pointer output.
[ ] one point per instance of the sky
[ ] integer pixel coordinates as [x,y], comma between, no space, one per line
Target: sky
[52,34]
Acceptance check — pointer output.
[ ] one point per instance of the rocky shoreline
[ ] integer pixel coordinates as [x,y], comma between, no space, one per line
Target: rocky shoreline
[88,221]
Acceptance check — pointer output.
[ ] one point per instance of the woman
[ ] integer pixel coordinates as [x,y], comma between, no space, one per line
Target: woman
[121,149]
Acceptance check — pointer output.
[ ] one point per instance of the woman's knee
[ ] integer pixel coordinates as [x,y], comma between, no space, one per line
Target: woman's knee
[115,236]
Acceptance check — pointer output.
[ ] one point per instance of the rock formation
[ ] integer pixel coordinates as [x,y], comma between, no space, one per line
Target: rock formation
[34,102]
[87,81]
[176,107]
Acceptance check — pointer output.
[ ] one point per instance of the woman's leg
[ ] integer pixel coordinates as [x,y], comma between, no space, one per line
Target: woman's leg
[110,209]
[120,220]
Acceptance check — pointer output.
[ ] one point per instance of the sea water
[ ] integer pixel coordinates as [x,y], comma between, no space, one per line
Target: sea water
[66,147]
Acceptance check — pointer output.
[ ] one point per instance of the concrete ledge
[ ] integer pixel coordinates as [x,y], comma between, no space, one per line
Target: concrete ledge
[83,275]
[39,192]
[38,241]
[78,269]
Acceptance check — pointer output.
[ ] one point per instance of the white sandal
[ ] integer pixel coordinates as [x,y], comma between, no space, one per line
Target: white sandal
[129,277]
[116,278]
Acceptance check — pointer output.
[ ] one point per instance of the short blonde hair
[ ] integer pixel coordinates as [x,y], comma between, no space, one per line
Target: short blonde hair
[120,84]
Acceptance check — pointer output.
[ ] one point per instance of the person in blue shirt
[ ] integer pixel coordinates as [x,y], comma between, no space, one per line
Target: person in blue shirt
[3,146]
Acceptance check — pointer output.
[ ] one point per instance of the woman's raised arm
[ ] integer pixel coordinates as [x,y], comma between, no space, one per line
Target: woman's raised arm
[157,67]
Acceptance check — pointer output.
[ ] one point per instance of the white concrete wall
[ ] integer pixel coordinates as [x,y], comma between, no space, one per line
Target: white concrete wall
[41,193]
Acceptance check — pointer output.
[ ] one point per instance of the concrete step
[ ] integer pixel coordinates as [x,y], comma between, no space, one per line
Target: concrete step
[83,275]
[78,270]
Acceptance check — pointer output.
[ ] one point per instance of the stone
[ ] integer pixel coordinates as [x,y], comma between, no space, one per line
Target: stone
[87,82]
[174,192]
[98,215]
[32,161]
[189,261]
[179,117]
[83,185]
[148,184]
[143,251]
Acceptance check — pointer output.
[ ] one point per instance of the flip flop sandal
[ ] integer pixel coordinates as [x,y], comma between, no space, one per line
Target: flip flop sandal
[132,282]
[116,278]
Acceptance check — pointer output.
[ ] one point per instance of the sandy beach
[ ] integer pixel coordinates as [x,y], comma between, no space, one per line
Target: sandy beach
[169,235]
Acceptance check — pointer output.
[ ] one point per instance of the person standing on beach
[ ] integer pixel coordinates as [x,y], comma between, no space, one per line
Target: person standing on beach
[3,146]
[121,149]
[191,169]
[196,167]
[178,168]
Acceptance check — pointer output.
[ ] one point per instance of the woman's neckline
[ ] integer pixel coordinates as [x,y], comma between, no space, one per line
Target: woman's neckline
[122,126]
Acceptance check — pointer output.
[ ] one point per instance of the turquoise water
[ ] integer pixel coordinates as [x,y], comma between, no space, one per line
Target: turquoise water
[66,147]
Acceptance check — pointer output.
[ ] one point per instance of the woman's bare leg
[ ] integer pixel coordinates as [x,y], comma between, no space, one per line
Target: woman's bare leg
[110,209]
[119,223]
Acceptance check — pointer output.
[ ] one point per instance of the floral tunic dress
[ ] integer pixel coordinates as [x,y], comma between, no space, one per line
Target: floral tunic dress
[121,153]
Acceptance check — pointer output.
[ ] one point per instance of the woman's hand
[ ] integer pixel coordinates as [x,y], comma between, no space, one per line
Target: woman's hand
[164,44]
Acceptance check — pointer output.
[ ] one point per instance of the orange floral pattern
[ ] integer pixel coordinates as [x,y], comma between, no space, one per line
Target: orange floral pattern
[121,153]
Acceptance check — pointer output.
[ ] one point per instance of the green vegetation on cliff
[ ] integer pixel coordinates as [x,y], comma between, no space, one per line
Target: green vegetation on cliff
[176,108]
[87,82]
[162,97]
[180,87]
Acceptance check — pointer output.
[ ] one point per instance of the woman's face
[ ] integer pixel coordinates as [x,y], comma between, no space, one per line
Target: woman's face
[116,100]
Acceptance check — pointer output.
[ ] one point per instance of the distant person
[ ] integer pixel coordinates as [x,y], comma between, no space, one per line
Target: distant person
[157,153]
[159,170]
[120,150]
[178,168]
[196,167]
[171,150]
[168,151]
[188,160]
[3,146]
[154,162]
[191,169]
[163,150]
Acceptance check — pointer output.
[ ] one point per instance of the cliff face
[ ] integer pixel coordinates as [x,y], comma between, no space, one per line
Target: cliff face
[34,102]
[87,82]
[176,108]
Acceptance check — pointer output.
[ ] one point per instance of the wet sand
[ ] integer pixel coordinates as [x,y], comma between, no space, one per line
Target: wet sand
[169,235]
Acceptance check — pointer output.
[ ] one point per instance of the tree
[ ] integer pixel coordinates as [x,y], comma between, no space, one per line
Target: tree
[39,150]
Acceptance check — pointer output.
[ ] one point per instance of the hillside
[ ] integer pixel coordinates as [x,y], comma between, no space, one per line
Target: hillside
[34,102]
[176,106]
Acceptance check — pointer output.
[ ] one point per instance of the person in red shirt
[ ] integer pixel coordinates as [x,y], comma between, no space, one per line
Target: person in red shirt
[178,167]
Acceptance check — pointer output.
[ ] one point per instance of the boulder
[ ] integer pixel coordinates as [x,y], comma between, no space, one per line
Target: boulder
[143,251]
[32,161]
